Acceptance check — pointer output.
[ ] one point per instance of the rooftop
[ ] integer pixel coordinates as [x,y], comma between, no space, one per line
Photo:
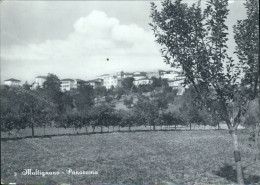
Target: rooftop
[12,79]
[67,79]
[41,77]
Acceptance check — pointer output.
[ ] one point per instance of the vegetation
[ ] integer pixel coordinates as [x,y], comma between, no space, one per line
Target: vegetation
[196,41]
[129,158]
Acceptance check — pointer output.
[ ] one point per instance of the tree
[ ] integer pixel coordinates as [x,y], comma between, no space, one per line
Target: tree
[26,86]
[247,49]
[148,110]
[126,118]
[100,116]
[100,91]
[196,41]
[127,83]
[252,120]
[52,87]
[128,101]
[83,99]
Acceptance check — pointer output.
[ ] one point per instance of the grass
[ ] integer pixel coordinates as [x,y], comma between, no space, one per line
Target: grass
[182,157]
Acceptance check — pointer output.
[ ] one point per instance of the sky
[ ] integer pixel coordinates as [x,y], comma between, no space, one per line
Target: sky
[73,39]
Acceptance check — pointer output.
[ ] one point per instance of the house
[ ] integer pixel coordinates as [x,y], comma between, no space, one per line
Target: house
[95,83]
[153,74]
[176,83]
[38,83]
[110,81]
[12,82]
[68,84]
[127,75]
[142,81]
[139,76]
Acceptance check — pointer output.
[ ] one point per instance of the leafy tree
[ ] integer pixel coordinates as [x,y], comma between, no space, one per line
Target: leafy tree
[128,101]
[148,109]
[100,91]
[26,86]
[196,41]
[127,83]
[247,49]
[108,99]
[119,91]
[127,119]
[100,116]
[144,88]
[83,99]
[52,89]
[21,108]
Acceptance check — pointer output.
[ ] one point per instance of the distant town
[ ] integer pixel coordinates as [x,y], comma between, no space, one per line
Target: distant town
[175,79]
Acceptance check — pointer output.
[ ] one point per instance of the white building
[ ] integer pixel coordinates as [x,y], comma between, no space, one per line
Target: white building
[39,80]
[127,75]
[143,81]
[139,76]
[169,76]
[12,82]
[95,83]
[68,84]
[153,74]
[177,83]
[110,81]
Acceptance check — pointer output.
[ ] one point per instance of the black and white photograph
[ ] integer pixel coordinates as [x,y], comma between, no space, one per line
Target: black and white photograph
[130,92]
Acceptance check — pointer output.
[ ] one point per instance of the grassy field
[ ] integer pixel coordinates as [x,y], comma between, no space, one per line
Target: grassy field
[180,157]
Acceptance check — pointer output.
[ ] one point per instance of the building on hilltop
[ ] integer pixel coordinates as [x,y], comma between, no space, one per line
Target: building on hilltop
[109,81]
[143,81]
[139,76]
[68,84]
[153,74]
[177,83]
[12,82]
[95,83]
[38,83]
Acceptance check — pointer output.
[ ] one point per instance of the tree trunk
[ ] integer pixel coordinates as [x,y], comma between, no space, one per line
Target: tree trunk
[257,145]
[32,125]
[218,126]
[240,179]
[86,129]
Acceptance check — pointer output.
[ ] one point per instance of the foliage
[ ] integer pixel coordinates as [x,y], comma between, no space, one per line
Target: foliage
[127,83]
[128,101]
[196,41]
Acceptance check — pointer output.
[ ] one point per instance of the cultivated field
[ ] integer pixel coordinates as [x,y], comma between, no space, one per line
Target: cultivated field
[181,157]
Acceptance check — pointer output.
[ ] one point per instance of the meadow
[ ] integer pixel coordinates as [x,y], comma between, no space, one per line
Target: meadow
[154,157]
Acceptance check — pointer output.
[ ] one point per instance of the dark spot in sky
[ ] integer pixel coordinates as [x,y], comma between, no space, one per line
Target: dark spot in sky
[107,59]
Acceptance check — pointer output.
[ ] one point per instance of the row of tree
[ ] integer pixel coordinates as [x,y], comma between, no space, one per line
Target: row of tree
[22,107]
